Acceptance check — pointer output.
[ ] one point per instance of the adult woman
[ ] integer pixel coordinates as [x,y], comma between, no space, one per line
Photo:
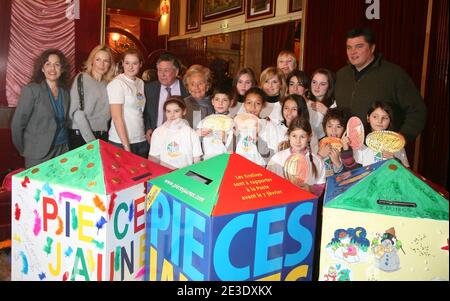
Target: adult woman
[242,82]
[320,98]
[39,123]
[197,80]
[273,82]
[90,120]
[298,82]
[286,62]
[127,102]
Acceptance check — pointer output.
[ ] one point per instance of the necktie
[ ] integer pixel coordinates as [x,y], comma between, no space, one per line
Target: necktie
[168,95]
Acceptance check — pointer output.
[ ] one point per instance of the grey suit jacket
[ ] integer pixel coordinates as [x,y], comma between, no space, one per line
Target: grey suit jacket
[152,91]
[34,125]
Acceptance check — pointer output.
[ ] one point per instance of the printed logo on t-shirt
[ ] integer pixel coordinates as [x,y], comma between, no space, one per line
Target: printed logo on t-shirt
[140,101]
[173,149]
[247,143]
[378,157]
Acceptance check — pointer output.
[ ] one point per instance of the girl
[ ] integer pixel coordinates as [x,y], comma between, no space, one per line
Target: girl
[321,97]
[244,80]
[293,106]
[248,143]
[299,137]
[273,82]
[127,102]
[379,118]
[216,142]
[175,144]
[336,160]
[298,82]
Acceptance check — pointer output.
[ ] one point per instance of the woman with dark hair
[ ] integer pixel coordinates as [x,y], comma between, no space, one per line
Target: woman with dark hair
[39,123]
[320,98]
[298,82]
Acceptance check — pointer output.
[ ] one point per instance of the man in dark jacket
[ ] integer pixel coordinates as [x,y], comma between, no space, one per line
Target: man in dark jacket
[369,78]
[157,92]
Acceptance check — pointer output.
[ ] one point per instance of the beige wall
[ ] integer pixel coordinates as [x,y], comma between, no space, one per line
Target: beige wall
[233,24]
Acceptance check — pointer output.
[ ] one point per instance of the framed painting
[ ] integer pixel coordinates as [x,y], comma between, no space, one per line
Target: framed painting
[193,16]
[214,10]
[295,5]
[259,9]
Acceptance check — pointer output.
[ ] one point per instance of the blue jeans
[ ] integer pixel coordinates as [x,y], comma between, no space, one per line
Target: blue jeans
[140,148]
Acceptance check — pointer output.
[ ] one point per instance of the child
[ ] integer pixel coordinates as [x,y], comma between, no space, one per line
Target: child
[335,159]
[299,137]
[248,143]
[321,98]
[216,142]
[174,144]
[379,118]
[293,106]
[244,80]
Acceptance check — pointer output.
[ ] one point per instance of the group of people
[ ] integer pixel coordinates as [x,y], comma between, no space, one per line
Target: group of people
[179,120]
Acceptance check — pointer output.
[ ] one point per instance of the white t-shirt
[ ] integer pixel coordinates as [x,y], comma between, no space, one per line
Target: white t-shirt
[274,134]
[213,144]
[276,165]
[276,114]
[237,109]
[130,94]
[316,118]
[247,145]
[366,156]
[176,144]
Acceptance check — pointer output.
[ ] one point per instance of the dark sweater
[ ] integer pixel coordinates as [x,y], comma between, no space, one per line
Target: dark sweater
[386,82]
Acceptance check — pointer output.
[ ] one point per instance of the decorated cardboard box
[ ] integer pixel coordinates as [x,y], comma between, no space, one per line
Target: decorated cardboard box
[81,216]
[227,218]
[381,222]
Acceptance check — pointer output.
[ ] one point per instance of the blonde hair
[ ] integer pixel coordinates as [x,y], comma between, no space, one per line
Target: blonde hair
[271,72]
[87,66]
[287,53]
[197,69]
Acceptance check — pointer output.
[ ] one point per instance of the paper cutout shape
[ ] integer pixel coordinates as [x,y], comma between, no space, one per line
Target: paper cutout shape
[296,169]
[246,122]
[218,122]
[335,142]
[385,141]
[355,132]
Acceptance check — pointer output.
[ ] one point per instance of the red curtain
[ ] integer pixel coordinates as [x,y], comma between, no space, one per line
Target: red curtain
[433,163]
[275,39]
[36,26]
[5,22]
[87,30]
[400,32]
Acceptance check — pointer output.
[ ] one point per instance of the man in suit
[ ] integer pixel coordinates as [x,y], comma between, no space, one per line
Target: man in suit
[157,92]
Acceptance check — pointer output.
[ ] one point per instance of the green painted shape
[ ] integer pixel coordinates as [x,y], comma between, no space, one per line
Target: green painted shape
[399,185]
[55,172]
[200,196]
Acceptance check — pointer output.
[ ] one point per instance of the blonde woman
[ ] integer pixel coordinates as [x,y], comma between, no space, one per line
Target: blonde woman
[286,62]
[90,118]
[273,82]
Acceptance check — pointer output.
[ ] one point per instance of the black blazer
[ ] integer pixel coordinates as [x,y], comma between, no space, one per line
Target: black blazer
[152,91]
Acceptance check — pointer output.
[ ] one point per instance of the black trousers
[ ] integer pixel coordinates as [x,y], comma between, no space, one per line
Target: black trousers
[76,140]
